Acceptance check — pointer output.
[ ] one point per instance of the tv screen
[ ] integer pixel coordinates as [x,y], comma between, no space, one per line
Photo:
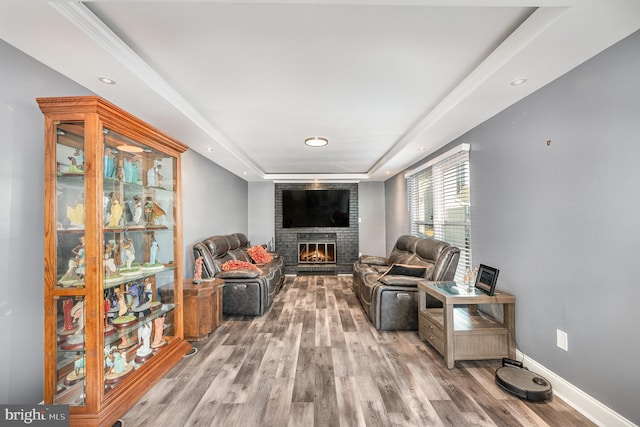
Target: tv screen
[315,208]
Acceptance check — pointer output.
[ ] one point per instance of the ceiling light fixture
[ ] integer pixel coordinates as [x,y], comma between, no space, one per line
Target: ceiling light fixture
[107,80]
[130,148]
[518,82]
[316,141]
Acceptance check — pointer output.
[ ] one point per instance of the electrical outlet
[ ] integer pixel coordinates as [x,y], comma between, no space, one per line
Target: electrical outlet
[562,339]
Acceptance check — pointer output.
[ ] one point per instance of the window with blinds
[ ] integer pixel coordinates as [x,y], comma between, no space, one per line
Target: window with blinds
[440,201]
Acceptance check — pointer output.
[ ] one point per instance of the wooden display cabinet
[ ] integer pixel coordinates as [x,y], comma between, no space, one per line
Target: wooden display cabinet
[112,238]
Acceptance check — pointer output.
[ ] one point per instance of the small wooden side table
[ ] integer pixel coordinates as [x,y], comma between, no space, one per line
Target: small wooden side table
[202,308]
[458,330]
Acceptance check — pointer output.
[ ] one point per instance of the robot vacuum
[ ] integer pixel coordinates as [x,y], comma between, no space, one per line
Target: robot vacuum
[517,380]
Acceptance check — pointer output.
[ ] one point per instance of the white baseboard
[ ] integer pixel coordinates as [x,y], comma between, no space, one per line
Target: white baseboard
[576,398]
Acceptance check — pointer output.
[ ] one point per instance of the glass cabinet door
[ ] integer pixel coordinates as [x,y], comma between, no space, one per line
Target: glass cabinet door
[71,358]
[70,207]
[70,266]
[138,213]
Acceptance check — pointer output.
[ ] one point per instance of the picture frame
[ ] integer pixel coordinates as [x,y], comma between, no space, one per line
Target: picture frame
[487,278]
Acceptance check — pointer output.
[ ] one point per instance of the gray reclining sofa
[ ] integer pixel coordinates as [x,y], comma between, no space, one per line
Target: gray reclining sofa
[389,295]
[246,292]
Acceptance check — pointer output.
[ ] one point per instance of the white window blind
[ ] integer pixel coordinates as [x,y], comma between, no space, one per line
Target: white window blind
[440,203]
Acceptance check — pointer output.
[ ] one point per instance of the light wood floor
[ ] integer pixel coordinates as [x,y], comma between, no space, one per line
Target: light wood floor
[315,360]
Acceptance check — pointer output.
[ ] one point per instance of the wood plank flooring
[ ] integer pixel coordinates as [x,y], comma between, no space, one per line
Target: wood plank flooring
[315,360]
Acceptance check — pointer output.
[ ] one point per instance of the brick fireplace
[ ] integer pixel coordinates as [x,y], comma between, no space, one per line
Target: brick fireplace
[318,250]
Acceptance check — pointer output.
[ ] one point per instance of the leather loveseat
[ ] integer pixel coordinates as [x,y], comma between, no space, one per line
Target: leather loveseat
[387,287]
[246,292]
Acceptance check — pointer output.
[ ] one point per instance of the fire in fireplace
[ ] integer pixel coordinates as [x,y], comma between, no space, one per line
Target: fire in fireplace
[316,253]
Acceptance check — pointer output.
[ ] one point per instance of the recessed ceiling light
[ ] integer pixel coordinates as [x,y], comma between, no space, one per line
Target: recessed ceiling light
[316,141]
[209,149]
[518,82]
[107,80]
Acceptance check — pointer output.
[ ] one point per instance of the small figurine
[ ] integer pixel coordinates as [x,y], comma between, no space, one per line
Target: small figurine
[110,269]
[77,314]
[138,297]
[78,369]
[129,251]
[154,178]
[76,265]
[68,327]
[77,162]
[148,211]
[108,167]
[78,155]
[78,365]
[128,168]
[153,251]
[122,305]
[125,342]
[158,324]
[144,337]
[116,210]
[134,169]
[197,273]
[79,252]
[158,212]
[120,365]
[137,210]
[148,289]
[109,361]
[76,213]
[108,329]
[120,172]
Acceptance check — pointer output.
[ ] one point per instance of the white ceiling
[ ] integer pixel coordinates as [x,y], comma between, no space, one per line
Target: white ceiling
[387,82]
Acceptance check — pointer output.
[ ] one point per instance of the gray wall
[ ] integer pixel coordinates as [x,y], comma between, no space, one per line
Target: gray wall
[561,221]
[214,201]
[372,215]
[261,214]
[22,221]
[396,210]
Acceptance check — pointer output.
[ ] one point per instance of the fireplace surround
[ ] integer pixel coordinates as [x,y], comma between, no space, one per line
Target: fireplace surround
[342,250]
[316,248]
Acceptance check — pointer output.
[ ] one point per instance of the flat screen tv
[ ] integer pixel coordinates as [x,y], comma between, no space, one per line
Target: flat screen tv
[315,208]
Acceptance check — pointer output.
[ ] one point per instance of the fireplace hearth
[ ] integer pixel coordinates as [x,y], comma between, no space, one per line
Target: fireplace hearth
[317,251]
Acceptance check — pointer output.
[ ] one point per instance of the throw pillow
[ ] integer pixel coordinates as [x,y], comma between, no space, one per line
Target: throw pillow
[400,280]
[259,255]
[406,270]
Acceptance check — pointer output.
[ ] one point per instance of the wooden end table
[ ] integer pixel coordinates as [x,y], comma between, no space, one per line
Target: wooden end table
[459,330]
[202,308]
